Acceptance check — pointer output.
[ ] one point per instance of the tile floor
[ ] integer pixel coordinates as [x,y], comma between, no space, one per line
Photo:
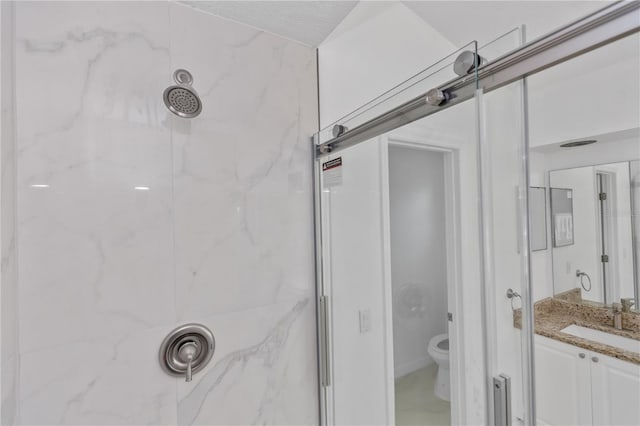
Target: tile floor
[416,403]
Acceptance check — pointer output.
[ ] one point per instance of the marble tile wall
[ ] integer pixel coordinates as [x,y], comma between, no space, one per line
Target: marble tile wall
[8,277]
[243,221]
[132,221]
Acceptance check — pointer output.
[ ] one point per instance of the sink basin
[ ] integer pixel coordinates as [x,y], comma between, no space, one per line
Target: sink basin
[602,337]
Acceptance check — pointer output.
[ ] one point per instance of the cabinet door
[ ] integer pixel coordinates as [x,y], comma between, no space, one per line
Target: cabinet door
[563,383]
[615,389]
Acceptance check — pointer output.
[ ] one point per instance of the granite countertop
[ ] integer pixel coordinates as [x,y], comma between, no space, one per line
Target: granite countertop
[553,314]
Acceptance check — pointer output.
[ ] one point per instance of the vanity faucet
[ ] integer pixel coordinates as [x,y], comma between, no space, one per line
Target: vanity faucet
[627,303]
[617,316]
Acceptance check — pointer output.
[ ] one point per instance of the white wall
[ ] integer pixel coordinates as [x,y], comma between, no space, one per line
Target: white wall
[223,235]
[593,94]
[377,46]
[583,253]
[418,255]
[485,20]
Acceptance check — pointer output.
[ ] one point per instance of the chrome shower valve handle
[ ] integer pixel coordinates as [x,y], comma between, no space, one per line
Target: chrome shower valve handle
[187,354]
[187,350]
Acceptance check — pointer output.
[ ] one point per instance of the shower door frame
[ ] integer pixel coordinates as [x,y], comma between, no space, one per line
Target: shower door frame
[611,23]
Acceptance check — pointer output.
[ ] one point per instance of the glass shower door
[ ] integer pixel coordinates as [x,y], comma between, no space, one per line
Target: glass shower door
[586,154]
[484,146]
[503,181]
[491,322]
[361,299]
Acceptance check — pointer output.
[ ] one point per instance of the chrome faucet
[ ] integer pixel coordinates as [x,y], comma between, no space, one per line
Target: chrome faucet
[617,316]
[627,303]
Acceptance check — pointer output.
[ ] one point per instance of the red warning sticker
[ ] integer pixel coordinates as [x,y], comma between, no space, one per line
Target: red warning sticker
[332,164]
[332,173]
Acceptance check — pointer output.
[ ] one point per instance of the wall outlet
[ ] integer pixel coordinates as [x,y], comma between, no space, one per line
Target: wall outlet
[365,320]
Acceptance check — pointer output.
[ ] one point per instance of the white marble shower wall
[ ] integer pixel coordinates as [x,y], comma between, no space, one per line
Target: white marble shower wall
[132,221]
[8,277]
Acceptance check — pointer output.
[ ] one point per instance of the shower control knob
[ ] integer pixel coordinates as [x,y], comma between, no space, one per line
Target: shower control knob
[582,355]
[436,97]
[186,350]
[594,359]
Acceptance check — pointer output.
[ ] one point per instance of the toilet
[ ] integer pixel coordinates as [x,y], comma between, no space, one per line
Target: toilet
[439,351]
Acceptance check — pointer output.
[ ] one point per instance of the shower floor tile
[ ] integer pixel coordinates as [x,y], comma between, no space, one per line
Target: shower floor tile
[416,404]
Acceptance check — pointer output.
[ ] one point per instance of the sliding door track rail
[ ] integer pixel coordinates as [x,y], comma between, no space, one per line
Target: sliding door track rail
[602,27]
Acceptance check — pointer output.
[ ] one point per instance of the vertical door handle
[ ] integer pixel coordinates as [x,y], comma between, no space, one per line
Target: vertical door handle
[324,342]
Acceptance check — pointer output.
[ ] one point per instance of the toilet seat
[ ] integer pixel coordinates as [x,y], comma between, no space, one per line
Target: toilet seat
[434,344]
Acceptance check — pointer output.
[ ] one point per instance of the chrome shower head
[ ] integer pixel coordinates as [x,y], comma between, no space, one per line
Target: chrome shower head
[181,99]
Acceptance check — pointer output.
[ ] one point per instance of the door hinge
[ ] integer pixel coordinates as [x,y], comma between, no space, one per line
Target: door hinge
[604,258]
[602,196]
[450,316]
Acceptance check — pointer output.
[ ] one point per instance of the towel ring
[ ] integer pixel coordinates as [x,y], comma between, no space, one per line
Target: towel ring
[581,275]
[512,295]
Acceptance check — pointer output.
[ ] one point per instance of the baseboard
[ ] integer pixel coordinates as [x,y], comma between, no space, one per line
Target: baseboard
[411,366]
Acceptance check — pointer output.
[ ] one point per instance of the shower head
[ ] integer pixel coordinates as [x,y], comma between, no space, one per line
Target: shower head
[181,99]
[466,62]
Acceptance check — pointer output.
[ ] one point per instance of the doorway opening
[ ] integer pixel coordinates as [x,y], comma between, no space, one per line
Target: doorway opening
[418,254]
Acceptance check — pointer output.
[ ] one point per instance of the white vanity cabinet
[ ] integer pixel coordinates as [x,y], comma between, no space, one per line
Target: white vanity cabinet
[575,386]
[563,394]
[615,391]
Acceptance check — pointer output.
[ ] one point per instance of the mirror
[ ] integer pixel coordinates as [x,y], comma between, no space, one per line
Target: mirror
[594,217]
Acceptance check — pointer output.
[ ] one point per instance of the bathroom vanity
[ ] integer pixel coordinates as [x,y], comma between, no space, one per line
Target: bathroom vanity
[575,386]
[587,371]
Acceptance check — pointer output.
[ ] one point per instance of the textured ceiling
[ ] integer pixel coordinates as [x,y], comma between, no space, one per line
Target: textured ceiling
[308,22]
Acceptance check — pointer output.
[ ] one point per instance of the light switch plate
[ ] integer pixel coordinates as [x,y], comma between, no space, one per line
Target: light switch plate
[365,320]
